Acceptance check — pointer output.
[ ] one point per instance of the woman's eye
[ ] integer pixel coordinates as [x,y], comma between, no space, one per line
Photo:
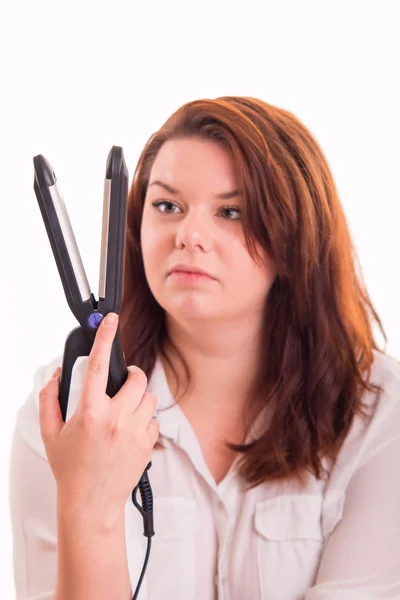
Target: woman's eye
[226,211]
[230,209]
[165,204]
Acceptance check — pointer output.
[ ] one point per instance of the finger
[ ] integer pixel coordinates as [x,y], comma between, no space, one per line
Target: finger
[130,395]
[146,410]
[153,430]
[98,365]
[50,417]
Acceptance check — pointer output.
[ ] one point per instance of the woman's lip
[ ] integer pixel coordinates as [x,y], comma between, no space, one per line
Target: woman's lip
[190,276]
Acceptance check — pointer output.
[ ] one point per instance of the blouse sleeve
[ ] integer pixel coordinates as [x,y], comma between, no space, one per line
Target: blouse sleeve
[362,557]
[32,498]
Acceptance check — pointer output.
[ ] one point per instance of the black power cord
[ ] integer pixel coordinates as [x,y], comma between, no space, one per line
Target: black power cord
[135,595]
[146,510]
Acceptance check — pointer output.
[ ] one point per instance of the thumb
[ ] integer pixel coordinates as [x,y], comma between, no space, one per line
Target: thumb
[51,421]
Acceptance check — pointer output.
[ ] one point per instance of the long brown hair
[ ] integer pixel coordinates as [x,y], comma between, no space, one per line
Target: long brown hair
[318,337]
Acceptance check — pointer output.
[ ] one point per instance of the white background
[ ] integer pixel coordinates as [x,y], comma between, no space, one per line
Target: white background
[80,77]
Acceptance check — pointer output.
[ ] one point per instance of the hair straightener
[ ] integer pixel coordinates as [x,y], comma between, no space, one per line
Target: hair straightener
[82,302]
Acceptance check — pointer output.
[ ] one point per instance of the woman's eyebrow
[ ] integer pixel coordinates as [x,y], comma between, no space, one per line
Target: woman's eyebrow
[171,190]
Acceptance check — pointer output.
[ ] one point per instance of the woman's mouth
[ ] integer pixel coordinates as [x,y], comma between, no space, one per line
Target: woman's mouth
[187,277]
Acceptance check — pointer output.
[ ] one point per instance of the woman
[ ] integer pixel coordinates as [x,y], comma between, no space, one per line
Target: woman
[276,443]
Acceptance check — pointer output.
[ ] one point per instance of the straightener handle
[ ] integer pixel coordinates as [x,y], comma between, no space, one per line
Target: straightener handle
[79,343]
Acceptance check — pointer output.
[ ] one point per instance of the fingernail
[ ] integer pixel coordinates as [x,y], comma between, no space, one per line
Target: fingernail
[56,373]
[110,319]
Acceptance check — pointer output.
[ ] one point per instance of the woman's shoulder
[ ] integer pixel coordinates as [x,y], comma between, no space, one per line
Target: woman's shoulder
[369,436]
[381,406]
[386,364]
[385,372]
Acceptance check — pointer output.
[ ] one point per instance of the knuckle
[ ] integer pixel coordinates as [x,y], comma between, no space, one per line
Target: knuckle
[95,364]
[88,419]
[115,428]
[43,394]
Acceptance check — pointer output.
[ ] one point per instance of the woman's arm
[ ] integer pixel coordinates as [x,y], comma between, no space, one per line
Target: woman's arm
[92,561]
[54,548]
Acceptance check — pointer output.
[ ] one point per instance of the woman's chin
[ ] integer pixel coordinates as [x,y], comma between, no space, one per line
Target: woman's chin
[191,308]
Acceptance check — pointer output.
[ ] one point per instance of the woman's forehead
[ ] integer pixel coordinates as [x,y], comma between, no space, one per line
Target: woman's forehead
[180,163]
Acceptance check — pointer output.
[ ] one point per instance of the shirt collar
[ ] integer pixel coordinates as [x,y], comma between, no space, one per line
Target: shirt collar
[170,415]
[167,410]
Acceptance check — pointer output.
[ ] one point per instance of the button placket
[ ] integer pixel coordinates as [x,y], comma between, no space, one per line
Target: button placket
[222,528]
[227,536]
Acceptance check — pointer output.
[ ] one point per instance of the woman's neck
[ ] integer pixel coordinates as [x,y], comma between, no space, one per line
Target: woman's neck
[224,361]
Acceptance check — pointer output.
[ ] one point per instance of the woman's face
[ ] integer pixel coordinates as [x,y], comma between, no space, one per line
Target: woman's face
[193,227]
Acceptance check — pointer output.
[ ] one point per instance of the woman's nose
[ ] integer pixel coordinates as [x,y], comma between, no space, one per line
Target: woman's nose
[195,231]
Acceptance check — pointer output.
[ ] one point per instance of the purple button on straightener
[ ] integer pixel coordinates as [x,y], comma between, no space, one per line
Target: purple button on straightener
[94,319]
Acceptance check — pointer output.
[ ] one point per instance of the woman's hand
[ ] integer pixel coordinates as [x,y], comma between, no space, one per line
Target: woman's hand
[98,456]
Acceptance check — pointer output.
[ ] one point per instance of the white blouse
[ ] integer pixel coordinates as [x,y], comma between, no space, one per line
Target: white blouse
[338,540]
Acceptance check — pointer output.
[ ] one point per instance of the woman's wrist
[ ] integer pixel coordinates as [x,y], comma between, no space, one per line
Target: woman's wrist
[95,516]
[92,559]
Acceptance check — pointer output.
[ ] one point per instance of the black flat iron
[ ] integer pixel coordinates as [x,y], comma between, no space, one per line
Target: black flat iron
[88,311]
